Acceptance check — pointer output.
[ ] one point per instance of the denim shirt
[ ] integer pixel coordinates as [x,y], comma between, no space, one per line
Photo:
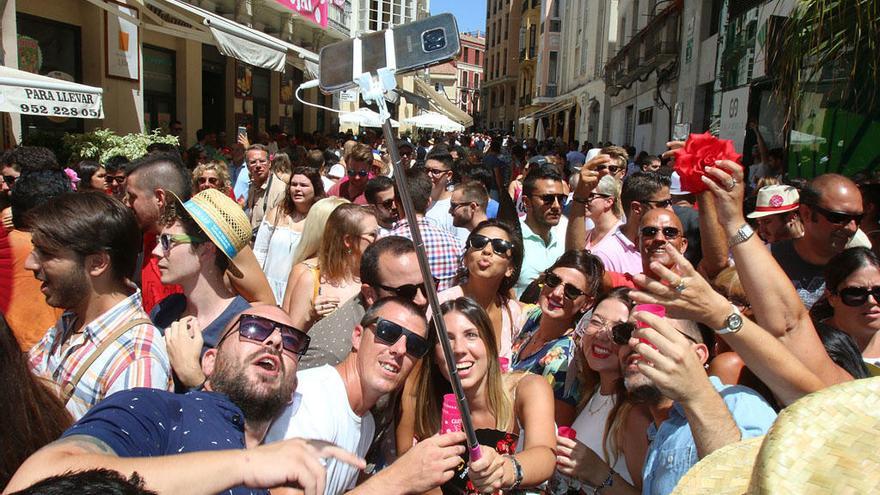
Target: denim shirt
[672,451]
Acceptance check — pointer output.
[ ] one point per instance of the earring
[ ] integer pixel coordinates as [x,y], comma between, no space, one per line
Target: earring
[348,251]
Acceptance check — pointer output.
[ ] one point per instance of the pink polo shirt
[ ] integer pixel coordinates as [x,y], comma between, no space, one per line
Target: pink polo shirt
[618,253]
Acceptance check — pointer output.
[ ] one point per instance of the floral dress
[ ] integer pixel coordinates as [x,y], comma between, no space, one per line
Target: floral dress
[550,361]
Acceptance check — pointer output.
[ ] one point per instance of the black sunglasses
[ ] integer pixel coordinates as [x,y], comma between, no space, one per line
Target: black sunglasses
[390,332]
[387,204]
[361,173]
[499,246]
[837,217]
[570,292]
[115,179]
[595,195]
[668,232]
[9,180]
[622,332]
[661,203]
[548,199]
[258,329]
[856,296]
[613,169]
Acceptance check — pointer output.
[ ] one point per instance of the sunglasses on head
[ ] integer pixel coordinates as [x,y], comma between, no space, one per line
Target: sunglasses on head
[622,332]
[856,296]
[389,333]
[548,199]
[258,329]
[359,173]
[552,281]
[668,232]
[499,246]
[837,217]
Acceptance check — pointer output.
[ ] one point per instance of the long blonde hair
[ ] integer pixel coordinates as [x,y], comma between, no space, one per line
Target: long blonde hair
[313,228]
[431,385]
[337,260]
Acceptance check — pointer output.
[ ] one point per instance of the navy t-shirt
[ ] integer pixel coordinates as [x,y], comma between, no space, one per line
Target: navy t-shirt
[171,309]
[808,279]
[146,422]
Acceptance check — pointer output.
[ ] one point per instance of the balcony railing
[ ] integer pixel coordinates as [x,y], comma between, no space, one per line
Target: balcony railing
[645,52]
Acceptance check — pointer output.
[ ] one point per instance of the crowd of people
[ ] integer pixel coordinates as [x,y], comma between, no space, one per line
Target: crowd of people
[253,318]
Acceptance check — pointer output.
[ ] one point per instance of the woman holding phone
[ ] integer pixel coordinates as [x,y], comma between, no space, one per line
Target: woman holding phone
[512,413]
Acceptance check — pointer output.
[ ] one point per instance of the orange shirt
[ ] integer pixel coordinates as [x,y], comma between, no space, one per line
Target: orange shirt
[28,315]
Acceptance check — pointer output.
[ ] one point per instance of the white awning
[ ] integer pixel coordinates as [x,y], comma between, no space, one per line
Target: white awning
[234,39]
[32,94]
[442,104]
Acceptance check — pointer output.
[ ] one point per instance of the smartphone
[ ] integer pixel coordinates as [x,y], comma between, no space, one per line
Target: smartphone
[680,132]
[417,45]
[242,130]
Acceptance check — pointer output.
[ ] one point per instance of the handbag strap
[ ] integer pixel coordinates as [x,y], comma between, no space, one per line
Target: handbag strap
[68,388]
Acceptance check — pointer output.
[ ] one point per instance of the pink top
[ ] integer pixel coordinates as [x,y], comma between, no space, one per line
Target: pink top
[510,316]
[618,253]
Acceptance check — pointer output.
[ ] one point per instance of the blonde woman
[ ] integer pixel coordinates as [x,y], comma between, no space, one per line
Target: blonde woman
[212,175]
[320,289]
[512,414]
[305,256]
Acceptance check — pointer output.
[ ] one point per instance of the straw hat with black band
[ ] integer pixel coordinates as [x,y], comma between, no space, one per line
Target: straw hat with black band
[222,220]
[825,443]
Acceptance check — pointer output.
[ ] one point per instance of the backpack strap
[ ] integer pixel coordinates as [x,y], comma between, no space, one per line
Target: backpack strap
[68,388]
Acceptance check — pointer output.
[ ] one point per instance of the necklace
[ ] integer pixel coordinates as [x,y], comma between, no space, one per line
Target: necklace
[599,400]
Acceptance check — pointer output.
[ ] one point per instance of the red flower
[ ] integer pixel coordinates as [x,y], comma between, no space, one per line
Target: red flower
[700,151]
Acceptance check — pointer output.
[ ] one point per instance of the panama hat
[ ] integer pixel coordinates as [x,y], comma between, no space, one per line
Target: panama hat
[824,443]
[221,219]
[775,199]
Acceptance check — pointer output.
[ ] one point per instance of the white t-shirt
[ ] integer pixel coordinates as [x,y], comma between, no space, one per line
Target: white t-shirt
[439,213]
[320,411]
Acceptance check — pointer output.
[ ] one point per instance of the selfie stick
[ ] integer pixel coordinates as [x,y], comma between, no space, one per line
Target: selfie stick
[373,89]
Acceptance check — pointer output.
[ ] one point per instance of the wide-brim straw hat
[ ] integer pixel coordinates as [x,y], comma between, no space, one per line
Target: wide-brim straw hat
[825,443]
[221,219]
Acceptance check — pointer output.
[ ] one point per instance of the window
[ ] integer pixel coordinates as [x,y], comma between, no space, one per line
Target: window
[464,55]
[438,87]
[646,115]
[477,80]
[532,40]
[555,25]
[552,68]
[464,79]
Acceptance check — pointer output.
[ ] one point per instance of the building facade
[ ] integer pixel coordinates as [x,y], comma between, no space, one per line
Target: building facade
[469,66]
[501,69]
[176,67]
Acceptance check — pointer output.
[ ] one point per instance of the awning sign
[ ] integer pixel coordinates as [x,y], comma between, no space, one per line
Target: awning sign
[50,102]
[313,10]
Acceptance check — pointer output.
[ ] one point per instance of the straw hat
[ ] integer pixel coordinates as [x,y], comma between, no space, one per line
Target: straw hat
[221,219]
[824,443]
[775,199]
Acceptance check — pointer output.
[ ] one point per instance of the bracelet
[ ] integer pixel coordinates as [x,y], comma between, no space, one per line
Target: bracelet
[608,482]
[517,472]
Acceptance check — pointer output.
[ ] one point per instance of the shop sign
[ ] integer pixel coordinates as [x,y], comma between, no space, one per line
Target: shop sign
[122,44]
[313,10]
[734,116]
[50,102]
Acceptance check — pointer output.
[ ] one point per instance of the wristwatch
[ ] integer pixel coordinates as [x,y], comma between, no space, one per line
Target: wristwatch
[733,324]
[743,234]
[517,472]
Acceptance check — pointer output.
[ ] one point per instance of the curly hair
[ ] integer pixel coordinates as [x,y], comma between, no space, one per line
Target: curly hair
[223,180]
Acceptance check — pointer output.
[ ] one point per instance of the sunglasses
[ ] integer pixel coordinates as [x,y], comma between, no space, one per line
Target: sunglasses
[856,296]
[662,203]
[409,291]
[837,217]
[170,240]
[9,180]
[552,281]
[387,204]
[622,332]
[258,329]
[115,179]
[436,171]
[593,196]
[668,232]
[455,206]
[389,333]
[499,246]
[612,169]
[548,199]
[208,180]
[359,173]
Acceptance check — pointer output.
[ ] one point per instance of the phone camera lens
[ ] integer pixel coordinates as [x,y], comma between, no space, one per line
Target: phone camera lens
[433,40]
